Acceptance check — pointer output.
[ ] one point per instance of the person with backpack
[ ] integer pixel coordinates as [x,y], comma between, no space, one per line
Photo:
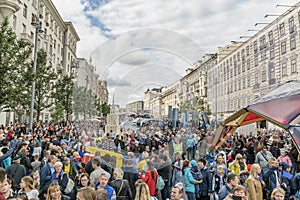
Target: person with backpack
[165,171]
[64,182]
[121,185]
[16,171]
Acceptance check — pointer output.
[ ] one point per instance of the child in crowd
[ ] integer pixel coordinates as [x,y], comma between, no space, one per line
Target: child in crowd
[219,179]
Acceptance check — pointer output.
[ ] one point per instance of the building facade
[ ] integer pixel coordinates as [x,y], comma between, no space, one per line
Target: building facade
[170,98]
[149,96]
[56,37]
[135,107]
[259,65]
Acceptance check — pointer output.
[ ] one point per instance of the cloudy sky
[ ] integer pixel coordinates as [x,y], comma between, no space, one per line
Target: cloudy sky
[140,44]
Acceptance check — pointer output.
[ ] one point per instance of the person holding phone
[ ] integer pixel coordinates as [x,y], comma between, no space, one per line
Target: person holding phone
[238,193]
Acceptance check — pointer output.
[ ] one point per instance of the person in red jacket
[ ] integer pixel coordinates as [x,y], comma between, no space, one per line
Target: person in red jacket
[150,178]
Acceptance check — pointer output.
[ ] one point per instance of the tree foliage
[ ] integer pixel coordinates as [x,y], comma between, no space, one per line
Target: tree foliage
[195,105]
[57,113]
[14,61]
[84,102]
[44,83]
[63,95]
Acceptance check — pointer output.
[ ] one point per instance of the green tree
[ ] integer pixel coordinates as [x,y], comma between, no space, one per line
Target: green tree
[63,94]
[14,61]
[90,108]
[79,101]
[105,109]
[57,113]
[194,105]
[44,79]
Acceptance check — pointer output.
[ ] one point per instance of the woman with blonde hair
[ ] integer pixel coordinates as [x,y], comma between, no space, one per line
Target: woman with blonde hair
[238,165]
[278,194]
[27,186]
[86,193]
[142,192]
[53,193]
[253,183]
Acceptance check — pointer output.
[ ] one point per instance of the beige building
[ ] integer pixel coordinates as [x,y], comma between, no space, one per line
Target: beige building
[259,65]
[59,38]
[85,76]
[169,97]
[149,96]
[156,107]
[135,107]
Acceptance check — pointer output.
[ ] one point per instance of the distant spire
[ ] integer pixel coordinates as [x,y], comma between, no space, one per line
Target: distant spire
[113,100]
[91,60]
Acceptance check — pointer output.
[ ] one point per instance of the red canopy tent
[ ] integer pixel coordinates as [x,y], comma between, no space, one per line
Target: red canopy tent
[280,107]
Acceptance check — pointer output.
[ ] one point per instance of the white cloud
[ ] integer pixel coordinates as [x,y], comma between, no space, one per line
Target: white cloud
[127,39]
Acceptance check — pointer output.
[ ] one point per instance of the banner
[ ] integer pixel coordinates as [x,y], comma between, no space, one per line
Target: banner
[119,157]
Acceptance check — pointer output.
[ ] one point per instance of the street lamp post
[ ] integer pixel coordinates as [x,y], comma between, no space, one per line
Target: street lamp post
[216,103]
[86,94]
[38,29]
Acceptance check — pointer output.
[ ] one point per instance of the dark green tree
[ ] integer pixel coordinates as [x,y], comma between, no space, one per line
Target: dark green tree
[14,61]
[63,94]
[44,80]
[105,109]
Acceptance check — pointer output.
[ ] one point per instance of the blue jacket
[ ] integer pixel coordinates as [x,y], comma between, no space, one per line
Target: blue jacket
[206,185]
[269,178]
[189,180]
[224,191]
[46,176]
[111,192]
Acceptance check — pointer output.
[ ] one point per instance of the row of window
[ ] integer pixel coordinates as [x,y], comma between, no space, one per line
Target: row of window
[241,55]
[246,82]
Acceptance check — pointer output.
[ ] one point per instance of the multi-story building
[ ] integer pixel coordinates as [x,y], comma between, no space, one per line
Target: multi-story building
[135,107]
[85,76]
[254,68]
[58,38]
[149,96]
[155,107]
[170,98]
[189,85]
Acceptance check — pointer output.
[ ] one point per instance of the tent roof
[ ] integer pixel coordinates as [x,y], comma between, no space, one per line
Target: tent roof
[288,89]
[281,107]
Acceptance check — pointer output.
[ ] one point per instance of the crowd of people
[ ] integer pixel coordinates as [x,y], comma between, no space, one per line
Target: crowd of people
[158,162]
